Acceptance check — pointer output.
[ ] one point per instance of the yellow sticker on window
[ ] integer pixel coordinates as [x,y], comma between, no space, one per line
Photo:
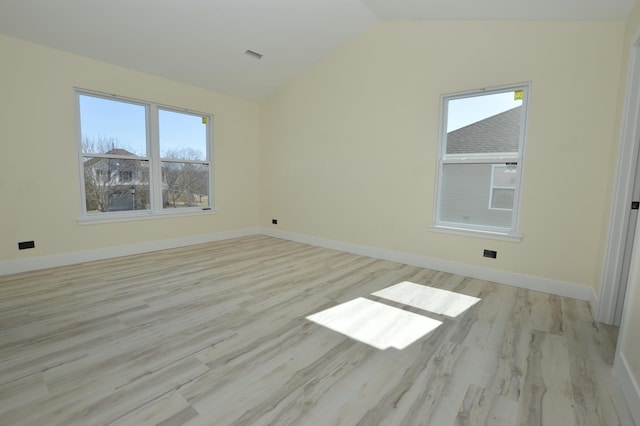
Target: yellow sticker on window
[204,120]
[518,95]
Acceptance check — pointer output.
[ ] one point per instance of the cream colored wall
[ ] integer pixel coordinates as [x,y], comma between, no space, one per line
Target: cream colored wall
[350,147]
[39,180]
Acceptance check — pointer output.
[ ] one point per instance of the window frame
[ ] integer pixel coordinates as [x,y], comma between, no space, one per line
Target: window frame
[498,158]
[156,208]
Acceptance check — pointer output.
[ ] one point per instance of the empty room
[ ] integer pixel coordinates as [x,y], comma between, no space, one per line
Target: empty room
[319,212]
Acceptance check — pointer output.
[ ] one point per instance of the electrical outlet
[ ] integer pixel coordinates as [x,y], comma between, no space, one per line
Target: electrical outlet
[274,221]
[23,245]
[492,254]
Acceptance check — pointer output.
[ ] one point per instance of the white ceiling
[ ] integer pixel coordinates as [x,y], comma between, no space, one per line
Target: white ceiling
[542,10]
[202,42]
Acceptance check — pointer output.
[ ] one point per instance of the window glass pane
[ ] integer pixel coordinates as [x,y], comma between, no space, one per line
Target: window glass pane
[182,136]
[114,184]
[484,123]
[465,196]
[185,184]
[502,198]
[112,127]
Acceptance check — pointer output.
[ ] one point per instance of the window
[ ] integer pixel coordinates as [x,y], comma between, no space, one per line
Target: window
[141,158]
[125,176]
[480,160]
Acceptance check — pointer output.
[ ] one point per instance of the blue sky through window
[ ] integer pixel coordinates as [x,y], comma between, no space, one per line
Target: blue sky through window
[463,112]
[179,131]
[113,124]
[122,124]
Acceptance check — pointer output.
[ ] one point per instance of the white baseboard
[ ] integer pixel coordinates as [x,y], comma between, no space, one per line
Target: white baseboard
[630,387]
[42,262]
[546,285]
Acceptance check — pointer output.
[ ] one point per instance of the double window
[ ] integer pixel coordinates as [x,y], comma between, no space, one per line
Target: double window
[141,158]
[480,160]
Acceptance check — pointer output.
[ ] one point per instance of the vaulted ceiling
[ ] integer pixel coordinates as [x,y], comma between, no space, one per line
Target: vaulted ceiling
[203,42]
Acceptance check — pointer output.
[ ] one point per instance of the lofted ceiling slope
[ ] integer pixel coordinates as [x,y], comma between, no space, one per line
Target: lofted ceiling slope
[202,42]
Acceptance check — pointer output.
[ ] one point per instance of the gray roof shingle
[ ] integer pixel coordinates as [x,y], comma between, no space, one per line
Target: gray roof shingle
[498,133]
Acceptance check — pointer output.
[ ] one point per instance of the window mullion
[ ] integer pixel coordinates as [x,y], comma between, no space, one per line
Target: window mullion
[115,156]
[482,160]
[177,160]
[210,159]
[154,149]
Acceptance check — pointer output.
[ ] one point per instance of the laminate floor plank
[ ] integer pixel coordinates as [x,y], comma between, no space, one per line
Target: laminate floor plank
[547,397]
[481,408]
[220,334]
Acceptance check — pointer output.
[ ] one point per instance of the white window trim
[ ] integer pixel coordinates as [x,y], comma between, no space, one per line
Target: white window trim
[511,234]
[156,209]
[115,217]
[491,235]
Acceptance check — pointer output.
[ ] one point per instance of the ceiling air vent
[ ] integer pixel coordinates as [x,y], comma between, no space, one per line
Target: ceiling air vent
[253,54]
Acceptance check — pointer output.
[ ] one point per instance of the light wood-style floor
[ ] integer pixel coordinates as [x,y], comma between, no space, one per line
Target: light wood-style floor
[217,334]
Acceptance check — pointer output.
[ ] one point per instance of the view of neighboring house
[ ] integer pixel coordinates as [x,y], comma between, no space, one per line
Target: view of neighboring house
[482,192]
[116,183]
[118,180]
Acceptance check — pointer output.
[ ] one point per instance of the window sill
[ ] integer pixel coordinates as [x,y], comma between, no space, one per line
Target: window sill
[477,234]
[114,218]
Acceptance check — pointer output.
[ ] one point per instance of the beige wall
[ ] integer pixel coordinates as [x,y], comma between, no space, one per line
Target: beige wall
[39,180]
[349,148]
[629,344]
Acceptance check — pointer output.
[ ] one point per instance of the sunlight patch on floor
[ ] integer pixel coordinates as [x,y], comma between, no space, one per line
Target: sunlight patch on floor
[431,299]
[376,324]
[382,326]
